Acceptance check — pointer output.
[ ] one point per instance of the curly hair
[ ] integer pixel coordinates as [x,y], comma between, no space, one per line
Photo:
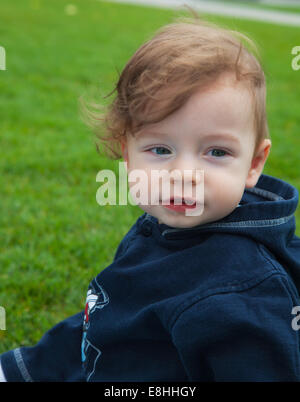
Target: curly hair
[181,58]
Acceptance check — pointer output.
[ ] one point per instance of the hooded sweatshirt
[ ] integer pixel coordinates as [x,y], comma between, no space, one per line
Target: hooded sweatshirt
[214,302]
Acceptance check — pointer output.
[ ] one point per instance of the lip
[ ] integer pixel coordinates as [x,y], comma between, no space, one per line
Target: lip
[180,207]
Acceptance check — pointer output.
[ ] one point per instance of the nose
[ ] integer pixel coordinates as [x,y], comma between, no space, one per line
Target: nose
[188,171]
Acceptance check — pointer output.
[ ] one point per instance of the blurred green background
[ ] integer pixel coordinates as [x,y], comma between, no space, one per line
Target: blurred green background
[54,236]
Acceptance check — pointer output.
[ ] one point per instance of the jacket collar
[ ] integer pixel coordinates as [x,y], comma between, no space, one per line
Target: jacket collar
[271,202]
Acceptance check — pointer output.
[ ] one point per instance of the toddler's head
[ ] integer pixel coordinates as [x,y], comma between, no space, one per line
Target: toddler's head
[192,99]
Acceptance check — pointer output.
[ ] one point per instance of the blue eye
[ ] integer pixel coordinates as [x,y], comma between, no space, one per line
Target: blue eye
[218,152]
[163,150]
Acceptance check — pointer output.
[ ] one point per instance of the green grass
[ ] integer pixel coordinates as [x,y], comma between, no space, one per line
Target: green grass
[54,236]
[265,6]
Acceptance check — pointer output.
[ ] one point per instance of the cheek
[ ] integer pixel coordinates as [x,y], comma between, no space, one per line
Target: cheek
[224,183]
[139,183]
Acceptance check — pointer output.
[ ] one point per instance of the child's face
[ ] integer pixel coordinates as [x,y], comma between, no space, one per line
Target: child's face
[213,132]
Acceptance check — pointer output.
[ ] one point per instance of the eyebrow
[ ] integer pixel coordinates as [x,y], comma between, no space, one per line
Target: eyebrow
[216,136]
[226,137]
[143,134]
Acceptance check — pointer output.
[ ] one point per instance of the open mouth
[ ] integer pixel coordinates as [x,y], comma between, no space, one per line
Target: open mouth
[186,202]
[181,203]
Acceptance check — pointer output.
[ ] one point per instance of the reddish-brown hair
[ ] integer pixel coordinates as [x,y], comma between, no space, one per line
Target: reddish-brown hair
[165,71]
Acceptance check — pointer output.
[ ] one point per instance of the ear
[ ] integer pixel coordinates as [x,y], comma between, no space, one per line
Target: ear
[258,162]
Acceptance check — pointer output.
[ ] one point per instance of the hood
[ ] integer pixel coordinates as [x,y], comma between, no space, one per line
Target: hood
[266,214]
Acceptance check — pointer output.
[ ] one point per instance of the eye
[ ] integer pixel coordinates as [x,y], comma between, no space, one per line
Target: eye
[160,150]
[218,153]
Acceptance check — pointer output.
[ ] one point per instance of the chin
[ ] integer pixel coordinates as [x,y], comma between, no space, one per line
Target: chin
[180,222]
[173,219]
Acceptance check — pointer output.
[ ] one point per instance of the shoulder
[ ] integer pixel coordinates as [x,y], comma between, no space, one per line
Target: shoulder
[265,302]
[239,258]
[129,236]
[237,279]
[227,261]
[243,333]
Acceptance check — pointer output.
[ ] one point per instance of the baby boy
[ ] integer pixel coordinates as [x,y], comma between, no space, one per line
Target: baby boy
[200,296]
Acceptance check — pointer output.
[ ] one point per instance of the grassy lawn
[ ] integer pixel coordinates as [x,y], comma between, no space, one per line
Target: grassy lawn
[54,236]
[265,6]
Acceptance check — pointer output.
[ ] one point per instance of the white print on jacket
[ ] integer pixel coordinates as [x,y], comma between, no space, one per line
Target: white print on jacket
[94,300]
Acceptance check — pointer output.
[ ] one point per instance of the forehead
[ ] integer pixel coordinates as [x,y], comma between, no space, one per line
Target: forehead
[222,103]
[225,107]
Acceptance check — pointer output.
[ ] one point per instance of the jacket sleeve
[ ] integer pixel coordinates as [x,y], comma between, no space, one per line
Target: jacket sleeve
[242,335]
[56,357]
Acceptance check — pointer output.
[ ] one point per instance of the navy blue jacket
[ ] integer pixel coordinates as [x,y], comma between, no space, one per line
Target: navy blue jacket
[208,303]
